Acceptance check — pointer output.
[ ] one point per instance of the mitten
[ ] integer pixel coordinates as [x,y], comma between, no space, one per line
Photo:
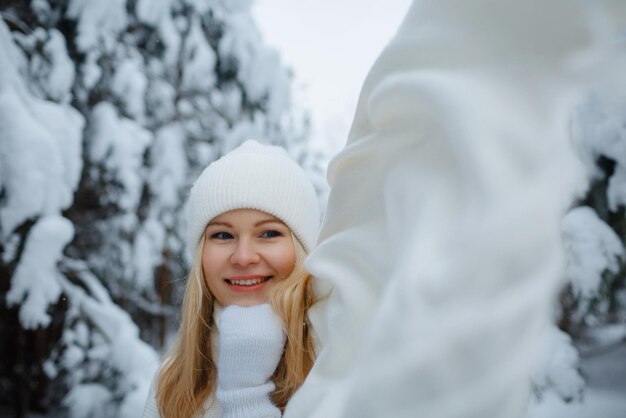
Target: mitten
[251,343]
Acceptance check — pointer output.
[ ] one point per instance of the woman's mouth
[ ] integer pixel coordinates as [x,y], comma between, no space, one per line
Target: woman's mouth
[247,283]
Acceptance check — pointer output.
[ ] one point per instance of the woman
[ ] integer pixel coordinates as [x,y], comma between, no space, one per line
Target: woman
[245,344]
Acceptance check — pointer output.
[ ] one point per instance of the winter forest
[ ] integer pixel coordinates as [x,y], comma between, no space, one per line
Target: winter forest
[108,112]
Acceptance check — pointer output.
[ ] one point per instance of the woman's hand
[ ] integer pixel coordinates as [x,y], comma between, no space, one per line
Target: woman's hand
[251,344]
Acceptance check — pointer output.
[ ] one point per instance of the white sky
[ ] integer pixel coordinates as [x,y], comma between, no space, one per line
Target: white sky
[330,45]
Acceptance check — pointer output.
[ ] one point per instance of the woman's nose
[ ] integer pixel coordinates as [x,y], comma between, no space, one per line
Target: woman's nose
[245,253]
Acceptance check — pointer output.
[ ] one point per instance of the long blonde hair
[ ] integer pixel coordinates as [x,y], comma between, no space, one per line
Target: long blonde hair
[291,300]
[188,375]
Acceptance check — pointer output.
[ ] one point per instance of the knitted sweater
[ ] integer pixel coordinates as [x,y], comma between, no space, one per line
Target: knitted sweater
[253,341]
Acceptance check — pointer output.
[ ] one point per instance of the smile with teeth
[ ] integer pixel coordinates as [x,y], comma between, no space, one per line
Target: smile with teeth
[248,282]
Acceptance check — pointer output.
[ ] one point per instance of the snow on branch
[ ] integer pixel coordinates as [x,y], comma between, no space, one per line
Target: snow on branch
[133,360]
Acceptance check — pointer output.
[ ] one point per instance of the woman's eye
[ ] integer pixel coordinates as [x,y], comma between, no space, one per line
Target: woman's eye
[221,235]
[271,234]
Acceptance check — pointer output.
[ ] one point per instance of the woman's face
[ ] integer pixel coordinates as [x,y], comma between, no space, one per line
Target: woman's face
[246,252]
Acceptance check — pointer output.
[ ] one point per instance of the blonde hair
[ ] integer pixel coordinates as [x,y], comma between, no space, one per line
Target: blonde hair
[291,300]
[188,375]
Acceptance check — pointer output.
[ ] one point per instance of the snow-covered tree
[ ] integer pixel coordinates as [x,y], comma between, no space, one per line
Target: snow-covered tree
[596,231]
[592,312]
[108,111]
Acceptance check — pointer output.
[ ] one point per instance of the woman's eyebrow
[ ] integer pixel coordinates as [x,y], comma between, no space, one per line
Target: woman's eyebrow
[219,223]
[267,221]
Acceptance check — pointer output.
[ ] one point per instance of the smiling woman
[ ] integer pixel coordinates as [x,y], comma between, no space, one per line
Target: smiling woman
[245,253]
[245,343]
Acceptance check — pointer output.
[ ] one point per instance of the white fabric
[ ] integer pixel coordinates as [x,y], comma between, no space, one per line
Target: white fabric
[252,341]
[440,251]
[255,176]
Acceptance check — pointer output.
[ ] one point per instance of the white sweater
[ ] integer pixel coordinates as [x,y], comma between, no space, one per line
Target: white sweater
[440,249]
[247,347]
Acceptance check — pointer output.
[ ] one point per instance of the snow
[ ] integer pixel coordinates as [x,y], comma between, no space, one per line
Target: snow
[65,127]
[41,158]
[148,255]
[129,84]
[199,69]
[114,340]
[41,9]
[607,335]
[603,397]
[99,22]
[152,12]
[73,356]
[591,247]
[202,6]
[161,99]
[237,5]
[600,130]
[41,146]
[597,404]
[11,57]
[60,78]
[169,162]
[267,74]
[81,332]
[559,372]
[227,101]
[35,282]
[50,67]
[10,248]
[88,400]
[126,351]
[261,69]
[120,143]
[171,39]
[616,192]
[50,369]
[90,70]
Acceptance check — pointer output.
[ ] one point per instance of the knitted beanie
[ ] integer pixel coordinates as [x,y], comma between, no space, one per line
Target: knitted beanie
[255,176]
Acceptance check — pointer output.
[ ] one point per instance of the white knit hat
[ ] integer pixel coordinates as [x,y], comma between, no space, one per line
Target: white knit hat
[255,176]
